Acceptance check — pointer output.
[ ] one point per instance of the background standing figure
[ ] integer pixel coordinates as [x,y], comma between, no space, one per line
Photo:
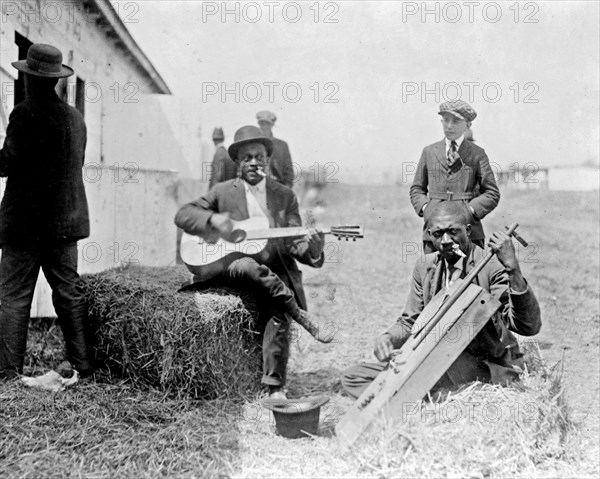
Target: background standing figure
[280,165]
[223,168]
[455,170]
[43,213]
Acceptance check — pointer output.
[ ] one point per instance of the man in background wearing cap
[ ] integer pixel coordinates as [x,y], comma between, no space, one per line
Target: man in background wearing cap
[275,277]
[223,168]
[44,212]
[455,170]
[280,165]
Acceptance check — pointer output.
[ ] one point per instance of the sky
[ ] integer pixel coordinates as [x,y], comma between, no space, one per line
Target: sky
[357,84]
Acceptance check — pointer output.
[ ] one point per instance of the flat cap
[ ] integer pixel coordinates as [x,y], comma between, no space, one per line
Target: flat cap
[459,108]
[218,134]
[266,115]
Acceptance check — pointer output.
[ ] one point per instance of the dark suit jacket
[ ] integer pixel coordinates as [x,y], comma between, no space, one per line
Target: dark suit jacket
[471,174]
[223,167]
[280,166]
[282,204]
[43,157]
[519,313]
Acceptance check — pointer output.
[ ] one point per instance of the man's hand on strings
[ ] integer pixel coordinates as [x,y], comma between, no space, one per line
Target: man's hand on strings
[501,244]
[316,242]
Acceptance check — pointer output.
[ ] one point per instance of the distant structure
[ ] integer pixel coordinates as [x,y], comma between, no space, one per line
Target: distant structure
[514,177]
[557,178]
[574,178]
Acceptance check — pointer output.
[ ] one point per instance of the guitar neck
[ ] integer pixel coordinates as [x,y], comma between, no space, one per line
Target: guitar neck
[272,233]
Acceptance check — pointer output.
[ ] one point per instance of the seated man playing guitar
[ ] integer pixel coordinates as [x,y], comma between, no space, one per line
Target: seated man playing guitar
[274,272]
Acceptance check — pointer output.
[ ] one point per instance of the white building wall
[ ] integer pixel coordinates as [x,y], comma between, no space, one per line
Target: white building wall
[132,189]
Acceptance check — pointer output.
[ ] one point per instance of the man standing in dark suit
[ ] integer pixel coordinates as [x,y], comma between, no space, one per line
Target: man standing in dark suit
[280,165]
[44,212]
[455,170]
[223,168]
[276,274]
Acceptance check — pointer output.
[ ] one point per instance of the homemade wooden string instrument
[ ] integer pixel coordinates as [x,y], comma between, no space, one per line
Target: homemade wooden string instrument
[442,331]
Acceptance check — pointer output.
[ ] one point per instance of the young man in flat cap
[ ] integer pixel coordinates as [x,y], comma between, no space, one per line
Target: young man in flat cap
[44,212]
[223,168]
[455,169]
[280,165]
[493,355]
[276,276]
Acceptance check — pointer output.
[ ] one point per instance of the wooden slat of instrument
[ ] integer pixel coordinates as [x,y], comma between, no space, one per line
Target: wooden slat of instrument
[431,349]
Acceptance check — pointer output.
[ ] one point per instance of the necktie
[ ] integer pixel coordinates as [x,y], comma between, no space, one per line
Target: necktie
[452,274]
[453,153]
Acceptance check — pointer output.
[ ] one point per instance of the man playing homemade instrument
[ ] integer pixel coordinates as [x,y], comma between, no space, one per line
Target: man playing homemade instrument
[276,274]
[493,355]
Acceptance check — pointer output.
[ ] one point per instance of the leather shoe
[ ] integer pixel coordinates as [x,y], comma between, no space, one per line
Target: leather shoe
[276,392]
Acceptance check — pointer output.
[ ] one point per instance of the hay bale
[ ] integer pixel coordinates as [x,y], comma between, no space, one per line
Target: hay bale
[184,343]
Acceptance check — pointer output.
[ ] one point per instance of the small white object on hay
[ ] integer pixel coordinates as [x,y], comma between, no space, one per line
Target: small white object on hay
[51,381]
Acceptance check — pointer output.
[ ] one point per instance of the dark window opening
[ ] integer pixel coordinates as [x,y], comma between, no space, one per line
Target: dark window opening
[23,44]
[80,95]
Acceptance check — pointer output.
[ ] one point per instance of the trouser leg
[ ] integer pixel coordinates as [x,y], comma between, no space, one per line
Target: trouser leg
[357,378]
[275,316]
[276,350]
[19,269]
[247,272]
[59,263]
[465,369]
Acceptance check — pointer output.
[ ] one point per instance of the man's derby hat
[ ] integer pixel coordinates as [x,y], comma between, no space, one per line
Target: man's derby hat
[246,135]
[43,61]
[459,108]
[296,418]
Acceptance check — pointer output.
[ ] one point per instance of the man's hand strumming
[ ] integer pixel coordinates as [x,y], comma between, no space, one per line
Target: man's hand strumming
[222,223]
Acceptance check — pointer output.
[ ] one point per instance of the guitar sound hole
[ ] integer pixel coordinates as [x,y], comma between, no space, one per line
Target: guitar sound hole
[237,236]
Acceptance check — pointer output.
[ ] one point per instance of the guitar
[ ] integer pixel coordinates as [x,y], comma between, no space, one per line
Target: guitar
[206,258]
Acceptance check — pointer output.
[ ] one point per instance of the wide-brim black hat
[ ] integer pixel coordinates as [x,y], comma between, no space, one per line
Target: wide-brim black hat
[43,61]
[296,418]
[246,135]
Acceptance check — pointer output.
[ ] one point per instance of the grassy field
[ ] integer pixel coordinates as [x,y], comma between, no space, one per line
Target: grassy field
[103,429]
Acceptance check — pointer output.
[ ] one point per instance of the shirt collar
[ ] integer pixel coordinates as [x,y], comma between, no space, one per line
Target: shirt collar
[459,141]
[260,187]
